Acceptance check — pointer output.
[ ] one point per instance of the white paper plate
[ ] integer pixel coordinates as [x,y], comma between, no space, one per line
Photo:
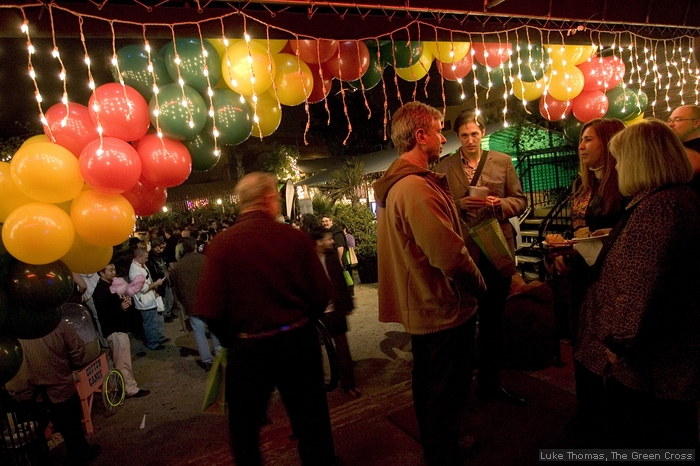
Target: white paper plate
[590,238]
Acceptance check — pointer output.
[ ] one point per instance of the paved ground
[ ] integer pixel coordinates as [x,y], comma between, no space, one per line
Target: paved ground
[167,427]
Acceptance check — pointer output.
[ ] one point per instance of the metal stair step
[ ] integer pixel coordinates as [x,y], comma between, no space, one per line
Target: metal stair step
[528,259]
[529,232]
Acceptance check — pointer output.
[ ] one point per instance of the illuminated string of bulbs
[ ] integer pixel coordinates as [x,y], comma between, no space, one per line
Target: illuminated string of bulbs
[92,86]
[679,76]
[32,74]
[210,91]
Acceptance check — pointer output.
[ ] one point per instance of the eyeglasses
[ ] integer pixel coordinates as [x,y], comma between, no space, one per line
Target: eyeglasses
[679,119]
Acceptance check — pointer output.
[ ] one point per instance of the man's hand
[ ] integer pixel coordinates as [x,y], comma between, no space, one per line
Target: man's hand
[493,201]
[126,302]
[472,203]
[476,203]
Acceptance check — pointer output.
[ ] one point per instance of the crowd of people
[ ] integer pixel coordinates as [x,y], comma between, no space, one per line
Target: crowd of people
[261,285]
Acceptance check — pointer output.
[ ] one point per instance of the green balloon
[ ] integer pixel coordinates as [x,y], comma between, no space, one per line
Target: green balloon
[572,130]
[133,66]
[173,117]
[497,76]
[385,59]
[234,119]
[405,53]
[622,103]
[10,358]
[201,149]
[192,63]
[533,70]
[39,287]
[28,325]
[373,75]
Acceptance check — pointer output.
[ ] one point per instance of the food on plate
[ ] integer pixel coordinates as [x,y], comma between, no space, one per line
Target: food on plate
[555,239]
[583,232]
[602,232]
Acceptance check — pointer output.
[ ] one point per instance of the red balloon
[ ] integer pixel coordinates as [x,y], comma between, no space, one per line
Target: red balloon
[322,87]
[165,162]
[589,105]
[146,199]
[492,54]
[110,165]
[556,109]
[461,68]
[592,74]
[314,50]
[602,73]
[352,63]
[121,116]
[70,127]
[614,72]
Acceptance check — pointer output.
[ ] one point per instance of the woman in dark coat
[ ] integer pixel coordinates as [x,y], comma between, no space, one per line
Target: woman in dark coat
[640,325]
[334,318]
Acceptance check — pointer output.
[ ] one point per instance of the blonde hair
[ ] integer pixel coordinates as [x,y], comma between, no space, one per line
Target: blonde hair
[252,189]
[409,119]
[649,155]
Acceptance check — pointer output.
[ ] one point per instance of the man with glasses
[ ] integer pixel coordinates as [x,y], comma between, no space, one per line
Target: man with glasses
[685,122]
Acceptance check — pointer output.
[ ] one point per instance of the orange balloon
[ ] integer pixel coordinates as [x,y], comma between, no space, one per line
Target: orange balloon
[46,172]
[11,196]
[84,257]
[102,219]
[38,233]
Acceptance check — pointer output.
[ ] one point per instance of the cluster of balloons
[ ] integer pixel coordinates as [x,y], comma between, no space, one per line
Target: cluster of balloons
[576,86]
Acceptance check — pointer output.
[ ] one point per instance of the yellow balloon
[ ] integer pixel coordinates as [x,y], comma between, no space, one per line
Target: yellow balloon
[448,52]
[11,196]
[565,55]
[634,121]
[269,113]
[419,70]
[276,45]
[528,91]
[38,233]
[588,52]
[239,75]
[293,79]
[84,257]
[565,83]
[102,219]
[37,138]
[47,172]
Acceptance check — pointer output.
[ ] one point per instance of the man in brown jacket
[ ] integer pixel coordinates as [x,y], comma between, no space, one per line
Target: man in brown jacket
[427,280]
[505,199]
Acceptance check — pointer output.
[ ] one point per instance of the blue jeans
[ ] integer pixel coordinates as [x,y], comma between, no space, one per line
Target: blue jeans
[168,299]
[200,337]
[153,327]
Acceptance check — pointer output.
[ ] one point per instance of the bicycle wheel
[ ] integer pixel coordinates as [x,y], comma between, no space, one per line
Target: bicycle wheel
[329,358]
[113,392]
